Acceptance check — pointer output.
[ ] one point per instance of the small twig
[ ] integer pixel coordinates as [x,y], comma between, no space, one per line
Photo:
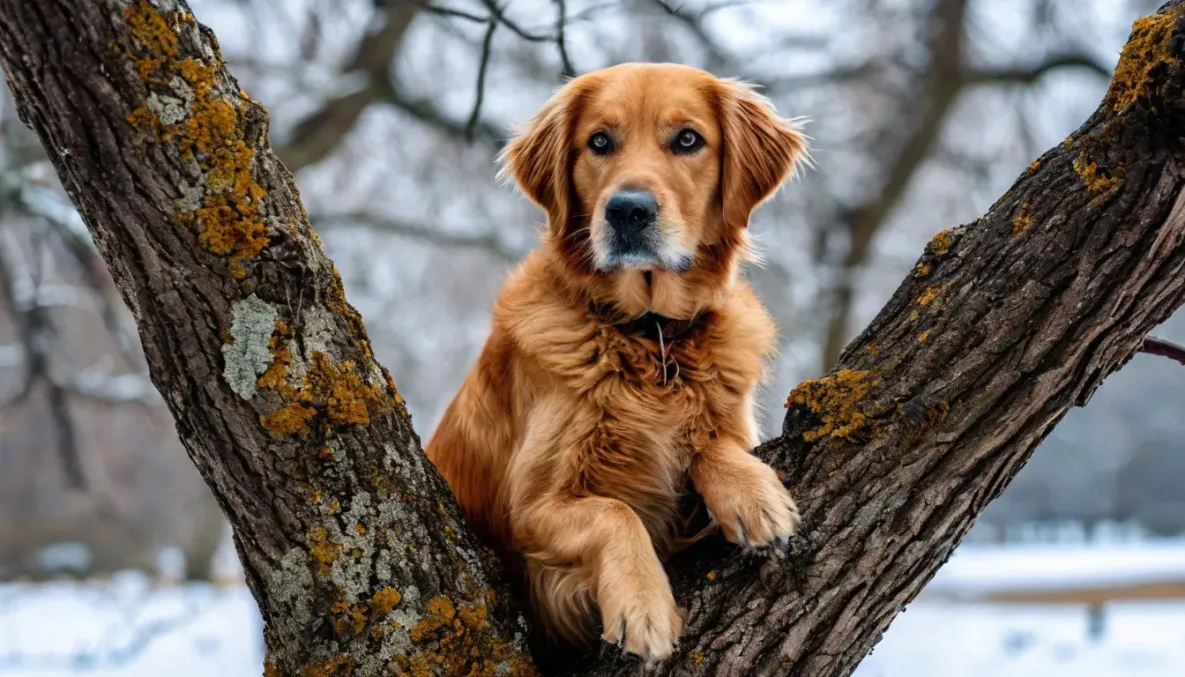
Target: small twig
[1163,348]
[496,12]
[449,12]
[560,39]
[481,80]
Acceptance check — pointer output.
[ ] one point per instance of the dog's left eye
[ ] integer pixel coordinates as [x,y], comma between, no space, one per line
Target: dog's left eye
[687,141]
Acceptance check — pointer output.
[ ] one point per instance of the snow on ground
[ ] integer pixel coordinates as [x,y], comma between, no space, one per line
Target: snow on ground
[126,627]
[937,639]
[977,569]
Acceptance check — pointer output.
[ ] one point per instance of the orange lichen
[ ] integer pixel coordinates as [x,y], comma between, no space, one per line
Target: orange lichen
[1150,45]
[712,575]
[210,134]
[1068,142]
[922,269]
[1034,165]
[441,612]
[347,398]
[941,243]
[924,336]
[290,419]
[872,349]
[1096,180]
[145,122]
[383,602]
[456,640]
[337,389]
[1023,220]
[836,400]
[929,295]
[697,657]
[351,618]
[276,375]
[338,666]
[151,29]
[323,550]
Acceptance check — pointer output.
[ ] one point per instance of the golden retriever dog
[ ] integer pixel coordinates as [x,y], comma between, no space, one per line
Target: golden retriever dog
[625,351]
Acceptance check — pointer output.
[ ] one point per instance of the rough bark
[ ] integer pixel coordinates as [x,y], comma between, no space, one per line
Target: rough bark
[352,546]
[1003,325]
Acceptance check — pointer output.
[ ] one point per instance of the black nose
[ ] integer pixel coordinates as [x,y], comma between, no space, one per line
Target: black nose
[629,211]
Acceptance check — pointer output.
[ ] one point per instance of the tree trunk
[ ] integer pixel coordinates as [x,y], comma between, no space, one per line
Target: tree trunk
[358,558]
[353,547]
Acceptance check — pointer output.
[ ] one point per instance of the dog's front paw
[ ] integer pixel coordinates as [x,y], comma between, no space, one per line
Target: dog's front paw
[756,511]
[638,611]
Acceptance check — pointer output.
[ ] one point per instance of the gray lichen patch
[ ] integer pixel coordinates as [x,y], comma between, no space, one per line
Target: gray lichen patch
[172,109]
[291,587]
[318,324]
[352,571]
[191,198]
[247,356]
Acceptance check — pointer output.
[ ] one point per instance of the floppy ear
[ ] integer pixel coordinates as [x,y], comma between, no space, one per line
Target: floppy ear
[537,158]
[760,151]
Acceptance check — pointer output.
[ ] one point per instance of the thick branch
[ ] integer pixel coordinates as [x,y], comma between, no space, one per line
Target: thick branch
[358,557]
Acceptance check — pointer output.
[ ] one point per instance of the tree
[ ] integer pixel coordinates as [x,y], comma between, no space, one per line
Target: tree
[353,548]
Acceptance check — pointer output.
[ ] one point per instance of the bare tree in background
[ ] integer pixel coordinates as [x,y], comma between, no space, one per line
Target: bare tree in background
[353,548]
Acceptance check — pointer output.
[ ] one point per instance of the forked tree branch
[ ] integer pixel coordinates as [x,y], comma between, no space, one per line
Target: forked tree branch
[357,555]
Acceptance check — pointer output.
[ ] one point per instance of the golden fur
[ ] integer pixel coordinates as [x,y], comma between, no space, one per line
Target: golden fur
[570,441]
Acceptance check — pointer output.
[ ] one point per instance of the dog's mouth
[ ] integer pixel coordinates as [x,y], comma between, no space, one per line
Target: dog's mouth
[643,250]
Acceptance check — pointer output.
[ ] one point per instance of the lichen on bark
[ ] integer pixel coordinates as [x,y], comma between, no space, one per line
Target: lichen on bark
[249,352]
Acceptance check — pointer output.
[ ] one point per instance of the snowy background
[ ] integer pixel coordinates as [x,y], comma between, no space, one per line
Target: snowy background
[114,560]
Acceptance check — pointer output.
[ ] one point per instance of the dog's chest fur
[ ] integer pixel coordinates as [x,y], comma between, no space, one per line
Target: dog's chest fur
[644,401]
[659,403]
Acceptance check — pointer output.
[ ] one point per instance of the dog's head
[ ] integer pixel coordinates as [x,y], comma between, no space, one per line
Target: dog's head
[652,167]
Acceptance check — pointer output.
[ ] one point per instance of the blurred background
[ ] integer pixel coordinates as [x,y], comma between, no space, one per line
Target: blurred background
[114,559]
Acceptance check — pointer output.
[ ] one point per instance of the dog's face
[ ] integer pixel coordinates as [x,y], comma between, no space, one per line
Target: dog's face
[642,166]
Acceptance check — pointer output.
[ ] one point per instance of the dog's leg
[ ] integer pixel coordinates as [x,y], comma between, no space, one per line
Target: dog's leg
[744,495]
[607,552]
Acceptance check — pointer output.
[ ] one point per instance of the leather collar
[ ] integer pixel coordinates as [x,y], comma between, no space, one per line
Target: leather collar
[648,325]
[658,328]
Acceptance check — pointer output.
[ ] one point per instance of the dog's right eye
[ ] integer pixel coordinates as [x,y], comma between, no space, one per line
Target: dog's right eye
[600,143]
